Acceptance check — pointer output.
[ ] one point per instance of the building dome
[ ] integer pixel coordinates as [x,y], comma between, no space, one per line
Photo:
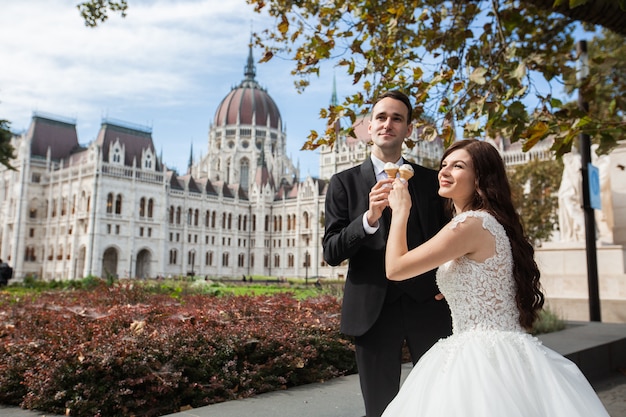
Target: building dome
[248,104]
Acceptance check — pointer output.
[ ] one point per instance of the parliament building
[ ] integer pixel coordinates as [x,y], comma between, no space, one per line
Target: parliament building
[112,208]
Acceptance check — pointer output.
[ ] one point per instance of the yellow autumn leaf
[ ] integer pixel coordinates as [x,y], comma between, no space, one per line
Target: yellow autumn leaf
[478,76]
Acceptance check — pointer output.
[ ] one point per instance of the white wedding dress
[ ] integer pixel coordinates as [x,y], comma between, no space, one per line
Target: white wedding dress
[490,366]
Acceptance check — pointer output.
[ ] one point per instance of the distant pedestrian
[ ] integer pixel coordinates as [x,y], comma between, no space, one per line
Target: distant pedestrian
[6,273]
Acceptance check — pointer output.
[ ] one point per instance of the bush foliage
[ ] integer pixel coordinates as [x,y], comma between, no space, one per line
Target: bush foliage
[107,350]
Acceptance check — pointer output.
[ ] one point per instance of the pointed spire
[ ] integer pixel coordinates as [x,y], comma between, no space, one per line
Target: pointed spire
[189,165]
[333,98]
[250,70]
[335,102]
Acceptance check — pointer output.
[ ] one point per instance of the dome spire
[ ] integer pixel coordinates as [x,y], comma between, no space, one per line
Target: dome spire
[250,70]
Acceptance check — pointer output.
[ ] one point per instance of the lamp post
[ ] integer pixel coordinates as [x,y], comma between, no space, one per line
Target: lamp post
[306,268]
[582,72]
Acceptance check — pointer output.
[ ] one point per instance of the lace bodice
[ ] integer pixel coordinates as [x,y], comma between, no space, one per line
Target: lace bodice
[481,295]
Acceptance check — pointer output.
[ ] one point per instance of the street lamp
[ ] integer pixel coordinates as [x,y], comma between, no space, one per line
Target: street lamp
[306,268]
[582,71]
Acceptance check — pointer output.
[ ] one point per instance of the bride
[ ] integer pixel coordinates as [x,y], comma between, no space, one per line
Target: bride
[490,366]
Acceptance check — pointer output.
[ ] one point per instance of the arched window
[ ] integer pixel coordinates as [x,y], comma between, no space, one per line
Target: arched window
[196,214]
[276,261]
[207,218]
[305,216]
[173,255]
[241,260]
[171,214]
[150,207]
[118,204]
[244,168]
[178,214]
[109,203]
[142,207]
[225,259]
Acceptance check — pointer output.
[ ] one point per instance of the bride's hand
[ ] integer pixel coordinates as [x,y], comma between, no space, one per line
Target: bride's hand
[399,197]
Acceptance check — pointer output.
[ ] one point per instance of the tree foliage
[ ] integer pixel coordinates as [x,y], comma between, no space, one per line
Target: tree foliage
[6,149]
[488,67]
[604,90]
[534,187]
[97,11]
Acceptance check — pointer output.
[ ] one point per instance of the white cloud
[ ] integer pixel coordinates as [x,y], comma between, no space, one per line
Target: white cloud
[168,65]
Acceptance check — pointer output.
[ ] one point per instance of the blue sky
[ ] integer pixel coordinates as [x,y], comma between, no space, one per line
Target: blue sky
[167,65]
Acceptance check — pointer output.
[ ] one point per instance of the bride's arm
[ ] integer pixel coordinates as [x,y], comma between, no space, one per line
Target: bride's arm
[450,243]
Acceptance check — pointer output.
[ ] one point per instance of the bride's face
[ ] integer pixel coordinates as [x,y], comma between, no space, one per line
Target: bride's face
[457,178]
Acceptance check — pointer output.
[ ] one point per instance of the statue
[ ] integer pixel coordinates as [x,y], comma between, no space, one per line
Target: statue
[571,215]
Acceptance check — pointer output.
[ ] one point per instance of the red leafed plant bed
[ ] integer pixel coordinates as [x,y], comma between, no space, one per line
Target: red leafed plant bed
[119,350]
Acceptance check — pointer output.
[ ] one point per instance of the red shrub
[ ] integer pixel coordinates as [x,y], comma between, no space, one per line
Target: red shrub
[122,351]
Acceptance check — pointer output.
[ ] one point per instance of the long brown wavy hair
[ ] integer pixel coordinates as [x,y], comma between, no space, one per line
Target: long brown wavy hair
[493,194]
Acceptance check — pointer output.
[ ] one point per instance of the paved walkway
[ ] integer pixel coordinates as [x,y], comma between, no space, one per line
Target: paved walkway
[585,343]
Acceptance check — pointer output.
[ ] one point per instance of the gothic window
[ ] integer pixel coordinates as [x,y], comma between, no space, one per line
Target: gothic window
[118,204]
[290,260]
[276,261]
[241,260]
[225,259]
[196,214]
[178,214]
[150,207]
[171,214]
[147,160]
[305,216]
[244,169]
[116,154]
[29,254]
[142,207]
[173,255]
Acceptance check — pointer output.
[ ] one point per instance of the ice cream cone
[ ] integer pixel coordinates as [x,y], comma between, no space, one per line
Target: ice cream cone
[391,169]
[406,172]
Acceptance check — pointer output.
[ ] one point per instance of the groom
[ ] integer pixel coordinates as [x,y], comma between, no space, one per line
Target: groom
[382,315]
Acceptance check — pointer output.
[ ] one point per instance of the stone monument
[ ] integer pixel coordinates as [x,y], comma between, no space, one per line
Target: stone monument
[563,263]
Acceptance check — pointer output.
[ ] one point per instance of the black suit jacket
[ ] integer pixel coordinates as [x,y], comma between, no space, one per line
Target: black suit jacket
[367,287]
